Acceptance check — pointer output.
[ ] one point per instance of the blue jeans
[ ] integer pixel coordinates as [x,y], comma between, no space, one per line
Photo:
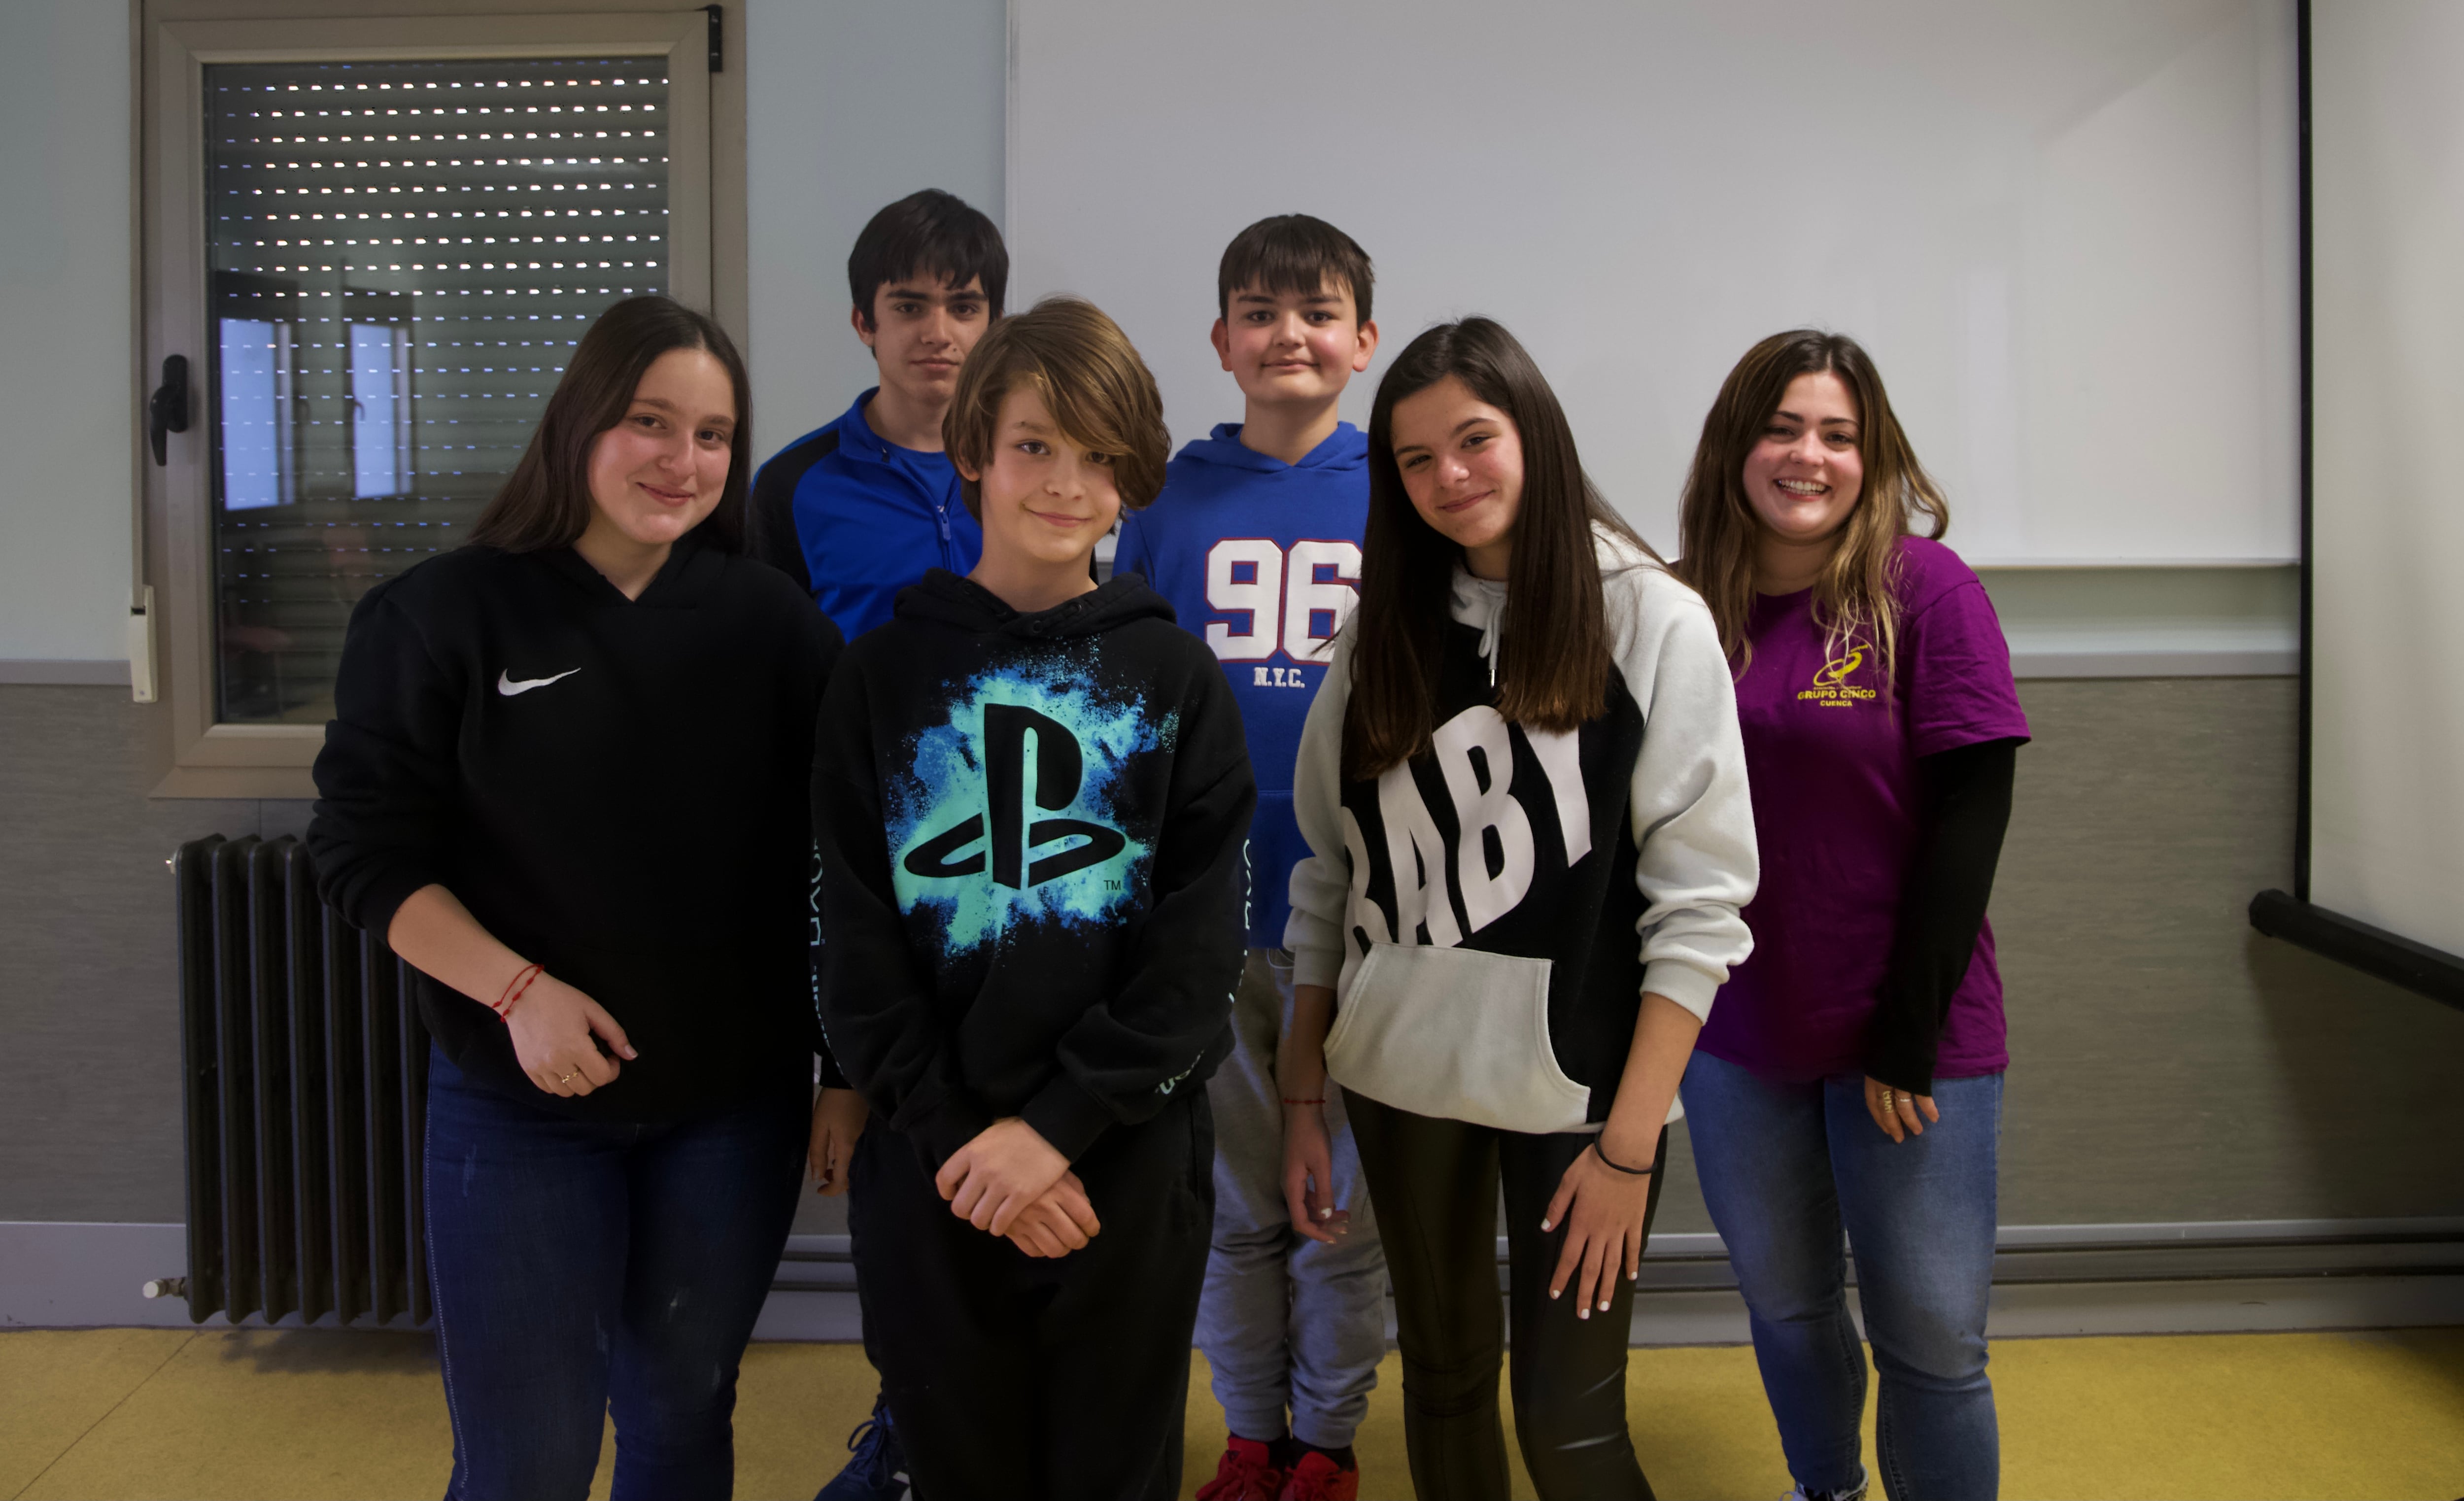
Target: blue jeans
[1785,1168]
[583,1266]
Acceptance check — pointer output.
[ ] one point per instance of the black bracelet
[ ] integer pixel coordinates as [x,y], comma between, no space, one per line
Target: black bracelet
[1630,1172]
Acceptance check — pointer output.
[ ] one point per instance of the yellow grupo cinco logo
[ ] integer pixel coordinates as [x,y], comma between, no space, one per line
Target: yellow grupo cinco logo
[1831,689]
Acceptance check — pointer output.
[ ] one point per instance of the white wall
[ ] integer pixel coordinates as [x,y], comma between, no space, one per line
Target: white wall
[66,411]
[2064,228]
[851,106]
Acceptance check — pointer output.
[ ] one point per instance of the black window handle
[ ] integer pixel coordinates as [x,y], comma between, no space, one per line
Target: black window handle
[168,411]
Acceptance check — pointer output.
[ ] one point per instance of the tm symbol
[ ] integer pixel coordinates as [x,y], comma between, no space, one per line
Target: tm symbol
[1111,886]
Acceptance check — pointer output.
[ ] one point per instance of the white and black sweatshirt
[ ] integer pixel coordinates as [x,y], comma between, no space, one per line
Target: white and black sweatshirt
[614,787]
[1477,908]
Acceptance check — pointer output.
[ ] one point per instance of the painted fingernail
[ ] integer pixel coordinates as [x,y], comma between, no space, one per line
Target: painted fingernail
[1604,1305]
[1552,1298]
[1326,1214]
[1582,1312]
[1544,1227]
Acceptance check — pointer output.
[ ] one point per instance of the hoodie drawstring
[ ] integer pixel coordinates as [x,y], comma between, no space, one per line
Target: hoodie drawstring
[1488,644]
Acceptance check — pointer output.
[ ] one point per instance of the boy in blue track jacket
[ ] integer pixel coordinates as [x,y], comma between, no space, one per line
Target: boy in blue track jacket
[856,510]
[1256,543]
[861,508]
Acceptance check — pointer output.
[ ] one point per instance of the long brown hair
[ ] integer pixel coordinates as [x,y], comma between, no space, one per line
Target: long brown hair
[545,501]
[1553,654]
[1857,591]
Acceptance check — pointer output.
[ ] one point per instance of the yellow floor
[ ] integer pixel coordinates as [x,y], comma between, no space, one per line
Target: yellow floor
[137,1413]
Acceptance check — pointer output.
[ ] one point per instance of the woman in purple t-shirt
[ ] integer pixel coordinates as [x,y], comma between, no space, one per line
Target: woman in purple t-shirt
[1851,1074]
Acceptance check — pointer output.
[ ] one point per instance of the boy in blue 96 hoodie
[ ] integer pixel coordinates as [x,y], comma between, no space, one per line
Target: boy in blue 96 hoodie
[1031,800]
[1256,541]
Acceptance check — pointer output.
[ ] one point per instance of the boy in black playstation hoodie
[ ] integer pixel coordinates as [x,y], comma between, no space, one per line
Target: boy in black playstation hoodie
[1032,797]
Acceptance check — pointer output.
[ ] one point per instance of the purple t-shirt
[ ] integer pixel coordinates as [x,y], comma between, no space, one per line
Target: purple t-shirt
[1835,789]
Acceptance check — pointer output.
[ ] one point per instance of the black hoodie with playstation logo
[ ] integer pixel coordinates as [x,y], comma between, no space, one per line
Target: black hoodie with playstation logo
[1032,833]
[615,788]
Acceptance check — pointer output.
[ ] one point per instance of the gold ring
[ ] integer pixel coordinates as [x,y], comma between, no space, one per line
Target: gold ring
[566,1078]
[1889,1100]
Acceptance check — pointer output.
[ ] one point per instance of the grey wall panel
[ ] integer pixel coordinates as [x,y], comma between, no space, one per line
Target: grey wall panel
[89,1022]
[2166,1062]
[2169,1065]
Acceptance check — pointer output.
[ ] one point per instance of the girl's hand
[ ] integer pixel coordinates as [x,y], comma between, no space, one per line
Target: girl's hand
[1059,1223]
[996,1178]
[556,1031]
[1602,1210]
[1896,1111]
[838,1119]
[1308,1175]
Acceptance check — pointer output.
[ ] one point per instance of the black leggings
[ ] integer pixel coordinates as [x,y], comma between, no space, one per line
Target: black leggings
[1434,1184]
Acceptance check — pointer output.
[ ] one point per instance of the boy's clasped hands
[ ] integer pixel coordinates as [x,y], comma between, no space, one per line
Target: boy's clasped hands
[1010,1181]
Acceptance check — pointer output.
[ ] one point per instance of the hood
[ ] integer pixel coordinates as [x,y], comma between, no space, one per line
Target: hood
[1345,449]
[1481,603]
[946,599]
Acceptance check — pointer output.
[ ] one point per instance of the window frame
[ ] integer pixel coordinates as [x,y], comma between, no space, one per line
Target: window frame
[202,756]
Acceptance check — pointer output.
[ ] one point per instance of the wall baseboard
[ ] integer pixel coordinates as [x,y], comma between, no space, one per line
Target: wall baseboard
[2235,1277]
[2027,662]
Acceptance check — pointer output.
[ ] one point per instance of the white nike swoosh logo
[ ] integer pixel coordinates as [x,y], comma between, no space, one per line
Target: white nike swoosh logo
[506,685]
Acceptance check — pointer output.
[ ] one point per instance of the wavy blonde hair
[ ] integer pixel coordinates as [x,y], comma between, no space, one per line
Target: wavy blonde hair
[1858,589]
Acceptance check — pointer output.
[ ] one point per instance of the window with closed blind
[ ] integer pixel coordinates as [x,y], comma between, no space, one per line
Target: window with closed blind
[375,244]
[402,256]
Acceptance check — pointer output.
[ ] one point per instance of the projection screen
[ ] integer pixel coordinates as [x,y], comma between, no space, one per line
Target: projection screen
[2386,558]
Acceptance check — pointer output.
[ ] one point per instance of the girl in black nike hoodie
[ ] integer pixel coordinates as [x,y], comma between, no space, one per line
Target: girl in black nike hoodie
[566,780]
[1032,799]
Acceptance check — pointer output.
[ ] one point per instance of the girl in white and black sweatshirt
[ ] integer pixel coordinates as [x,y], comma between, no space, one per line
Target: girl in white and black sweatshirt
[1525,794]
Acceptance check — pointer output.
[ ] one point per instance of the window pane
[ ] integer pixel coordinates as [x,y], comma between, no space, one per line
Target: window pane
[403,255]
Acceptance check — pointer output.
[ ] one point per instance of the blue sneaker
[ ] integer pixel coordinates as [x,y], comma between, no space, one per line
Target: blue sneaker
[877,1468]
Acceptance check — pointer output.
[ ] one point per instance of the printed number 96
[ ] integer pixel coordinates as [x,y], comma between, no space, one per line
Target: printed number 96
[1281,596]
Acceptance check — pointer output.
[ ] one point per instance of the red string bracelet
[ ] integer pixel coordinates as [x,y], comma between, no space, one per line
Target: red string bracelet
[514,989]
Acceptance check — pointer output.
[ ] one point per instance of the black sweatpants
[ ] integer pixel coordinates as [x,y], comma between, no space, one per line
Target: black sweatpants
[1017,1377]
[1434,1184]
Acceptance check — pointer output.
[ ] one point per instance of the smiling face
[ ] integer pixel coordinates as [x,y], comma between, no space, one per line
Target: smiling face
[1043,499]
[1462,463]
[1293,349]
[920,332]
[661,470]
[1803,475]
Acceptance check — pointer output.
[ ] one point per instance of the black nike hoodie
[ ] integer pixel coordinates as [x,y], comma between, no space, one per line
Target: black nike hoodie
[1032,834]
[614,787]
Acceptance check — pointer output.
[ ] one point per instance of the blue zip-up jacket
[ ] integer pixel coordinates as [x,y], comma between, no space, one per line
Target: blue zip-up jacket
[1262,559]
[854,518]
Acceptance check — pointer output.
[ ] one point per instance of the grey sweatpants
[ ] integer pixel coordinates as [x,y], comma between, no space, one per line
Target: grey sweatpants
[1285,1321]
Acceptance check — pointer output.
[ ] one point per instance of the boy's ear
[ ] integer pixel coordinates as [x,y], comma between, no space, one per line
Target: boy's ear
[1367,349]
[1221,339]
[966,471]
[862,325]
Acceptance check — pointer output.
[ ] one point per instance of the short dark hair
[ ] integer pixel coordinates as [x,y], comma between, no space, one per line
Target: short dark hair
[1293,253]
[545,501]
[1087,374]
[933,233]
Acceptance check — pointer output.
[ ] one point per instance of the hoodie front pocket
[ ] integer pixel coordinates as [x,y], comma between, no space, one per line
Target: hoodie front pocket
[1455,1034]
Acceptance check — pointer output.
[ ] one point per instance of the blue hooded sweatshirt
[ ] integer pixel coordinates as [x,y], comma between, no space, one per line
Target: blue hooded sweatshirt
[855,519]
[1261,559]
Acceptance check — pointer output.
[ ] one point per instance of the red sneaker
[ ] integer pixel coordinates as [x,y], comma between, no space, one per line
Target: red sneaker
[1318,1478]
[1246,1472]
